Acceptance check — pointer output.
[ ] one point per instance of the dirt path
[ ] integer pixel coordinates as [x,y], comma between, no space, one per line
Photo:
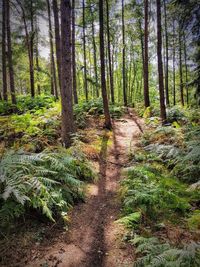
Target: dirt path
[93,239]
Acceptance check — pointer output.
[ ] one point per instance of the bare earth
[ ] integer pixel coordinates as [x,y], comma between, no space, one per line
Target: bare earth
[94,238]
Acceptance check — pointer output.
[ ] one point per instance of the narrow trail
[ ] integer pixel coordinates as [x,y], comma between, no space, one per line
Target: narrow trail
[92,237]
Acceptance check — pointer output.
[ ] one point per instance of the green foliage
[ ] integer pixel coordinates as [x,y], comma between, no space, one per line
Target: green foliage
[26,103]
[194,220]
[157,254]
[48,182]
[130,220]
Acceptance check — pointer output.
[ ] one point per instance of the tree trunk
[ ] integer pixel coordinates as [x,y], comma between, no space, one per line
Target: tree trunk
[32,80]
[37,60]
[74,54]
[167,57]
[186,70]
[146,57]
[57,37]
[102,59]
[84,54]
[4,78]
[174,70]
[53,67]
[95,52]
[160,65]
[109,55]
[10,61]
[67,126]
[180,67]
[123,57]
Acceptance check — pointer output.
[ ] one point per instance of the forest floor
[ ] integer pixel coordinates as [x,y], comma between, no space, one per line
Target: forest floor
[94,239]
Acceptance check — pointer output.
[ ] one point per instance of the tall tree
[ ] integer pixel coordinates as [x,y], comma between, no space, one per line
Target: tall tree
[32,35]
[74,54]
[186,68]
[180,64]
[84,53]
[146,56]
[10,60]
[109,54]
[5,93]
[160,64]
[174,70]
[123,57]
[57,38]
[67,126]
[167,57]
[108,124]
[54,90]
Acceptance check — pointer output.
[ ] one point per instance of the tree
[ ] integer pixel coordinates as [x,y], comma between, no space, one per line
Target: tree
[146,57]
[102,60]
[167,57]
[74,54]
[57,37]
[54,89]
[180,65]
[67,126]
[84,53]
[10,61]
[160,65]
[109,55]
[123,57]
[4,78]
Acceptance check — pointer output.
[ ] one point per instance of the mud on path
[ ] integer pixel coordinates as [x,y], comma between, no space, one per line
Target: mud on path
[93,239]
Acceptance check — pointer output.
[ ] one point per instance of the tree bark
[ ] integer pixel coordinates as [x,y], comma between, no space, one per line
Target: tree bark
[67,126]
[167,58]
[84,54]
[174,70]
[74,54]
[102,59]
[109,55]
[186,70]
[146,56]
[160,64]
[10,61]
[57,40]
[180,67]
[32,79]
[123,57]
[4,73]
[53,67]
[37,60]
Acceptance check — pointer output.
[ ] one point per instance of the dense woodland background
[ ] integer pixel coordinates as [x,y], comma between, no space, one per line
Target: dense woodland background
[66,65]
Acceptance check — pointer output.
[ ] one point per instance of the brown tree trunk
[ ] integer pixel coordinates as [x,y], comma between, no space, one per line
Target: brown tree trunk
[160,65]
[95,53]
[53,67]
[74,54]
[102,59]
[84,54]
[174,70]
[57,37]
[186,70]
[109,55]
[32,79]
[123,57]
[10,61]
[37,60]
[67,126]
[167,58]
[4,78]
[146,56]
[180,67]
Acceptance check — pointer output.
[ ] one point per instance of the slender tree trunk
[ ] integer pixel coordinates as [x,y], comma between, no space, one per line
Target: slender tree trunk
[174,70]
[123,57]
[84,54]
[57,40]
[109,55]
[10,61]
[37,60]
[102,59]
[167,58]
[32,80]
[53,67]
[146,56]
[160,65]
[74,54]
[186,70]
[67,126]
[180,67]
[95,52]
[5,89]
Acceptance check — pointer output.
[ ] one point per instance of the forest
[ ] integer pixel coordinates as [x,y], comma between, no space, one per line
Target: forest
[100,133]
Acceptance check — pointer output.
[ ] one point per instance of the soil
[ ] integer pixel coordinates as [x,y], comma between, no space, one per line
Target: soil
[94,239]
